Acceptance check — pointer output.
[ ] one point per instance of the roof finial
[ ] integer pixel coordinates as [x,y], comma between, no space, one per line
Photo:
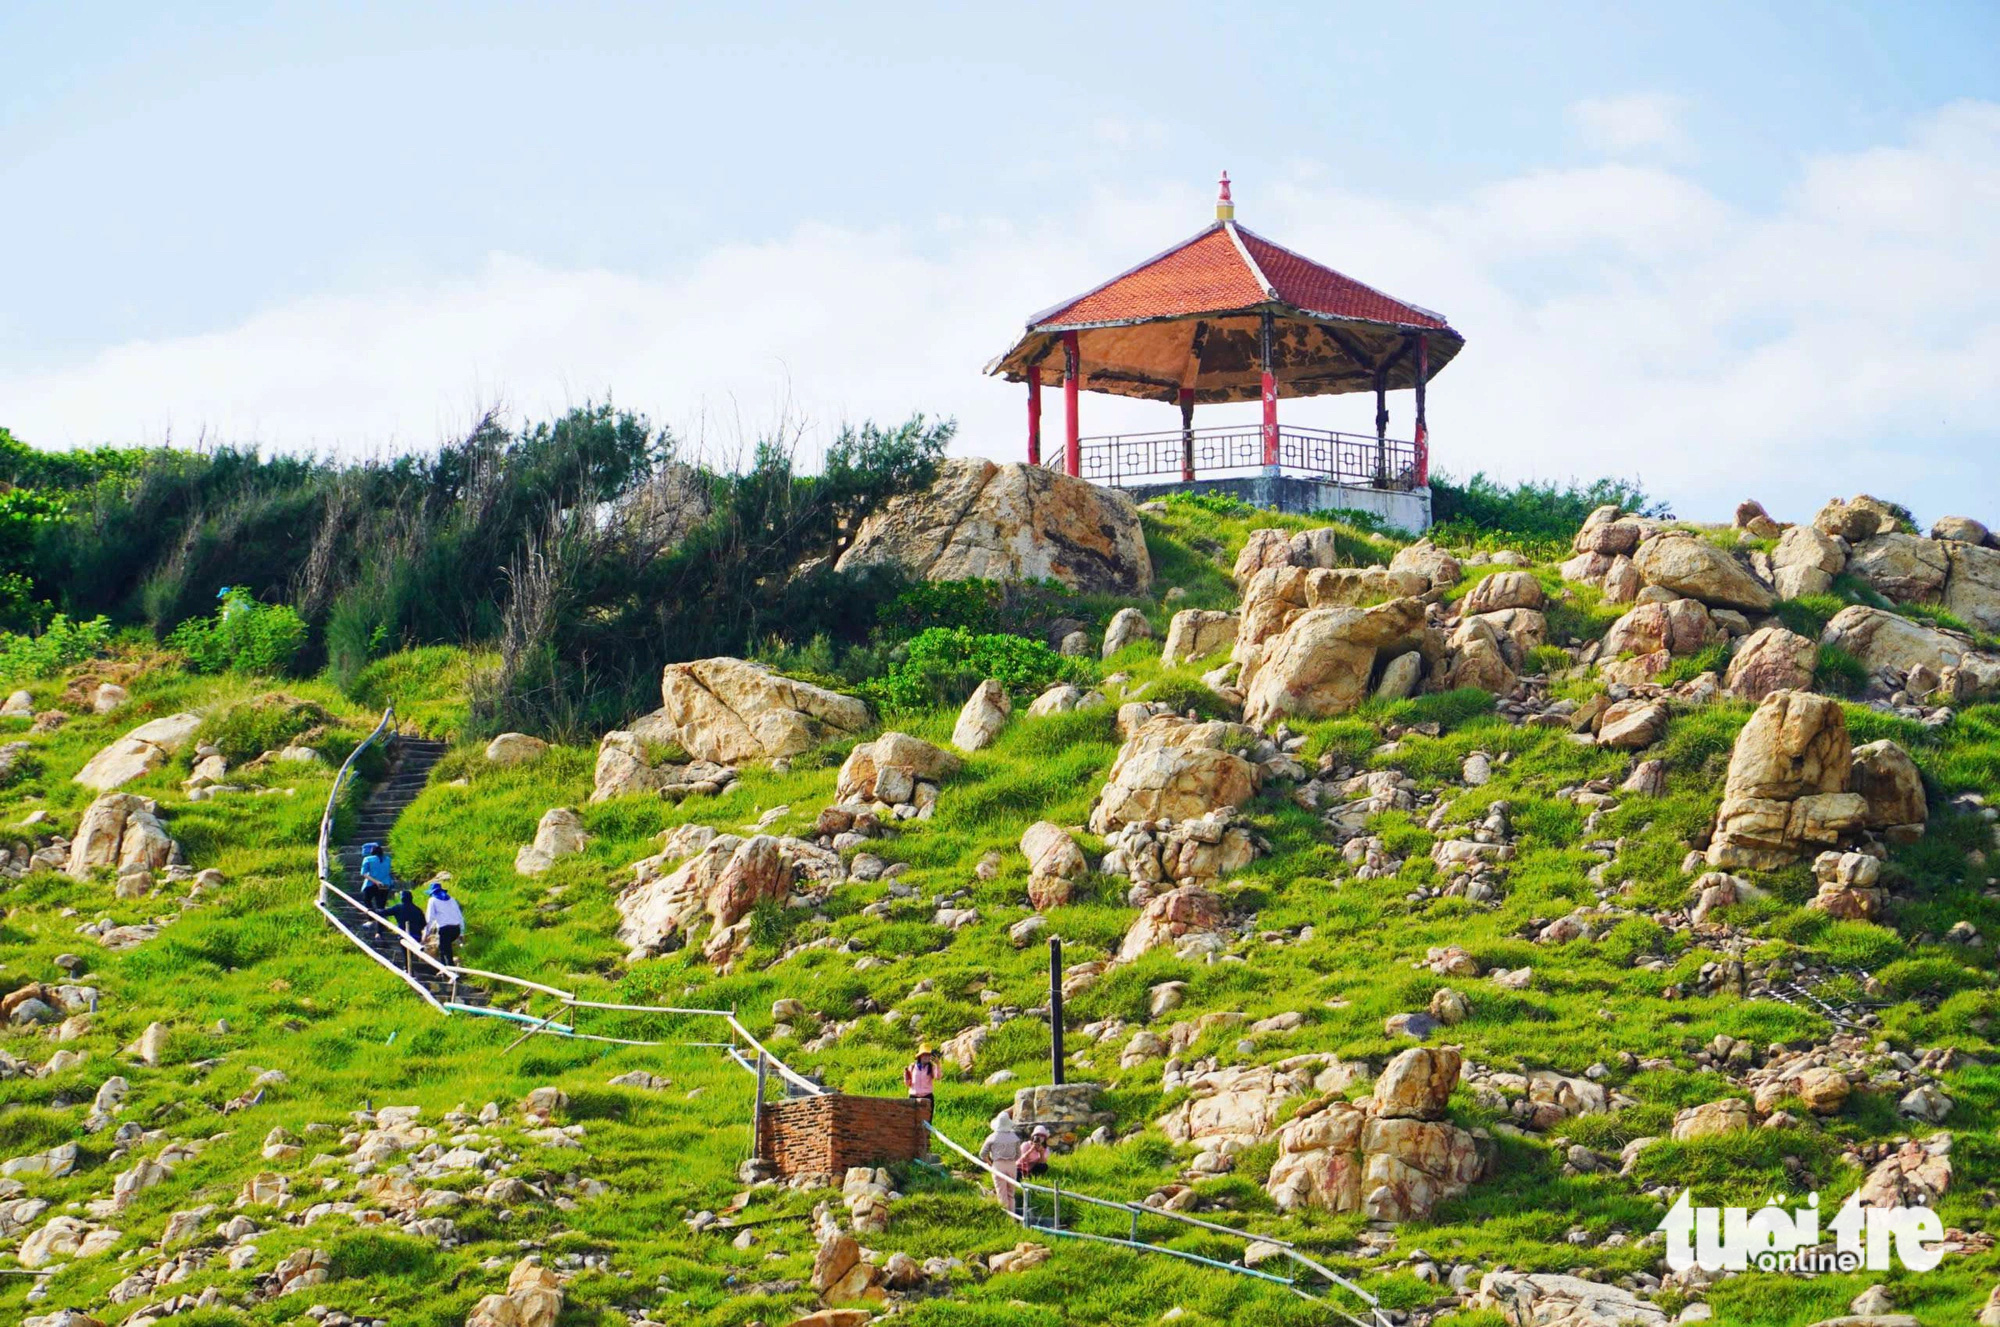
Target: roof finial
[1225,209]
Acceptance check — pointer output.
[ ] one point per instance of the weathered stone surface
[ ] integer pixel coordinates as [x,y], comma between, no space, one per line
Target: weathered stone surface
[1972,589]
[1902,566]
[1276,597]
[1126,625]
[1504,589]
[724,881]
[1417,1084]
[888,769]
[982,717]
[558,835]
[1172,768]
[1890,645]
[1196,633]
[1401,676]
[120,830]
[1547,1299]
[625,766]
[1055,864]
[534,1298]
[1426,559]
[1805,562]
[1680,627]
[1916,1174]
[515,749]
[1889,783]
[1962,529]
[1169,916]
[1008,523]
[1324,662]
[1482,657]
[138,753]
[1688,564]
[1607,532]
[1713,1117]
[1771,659]
[728,710]
[1787,787]
[1856,519]
[1631,724]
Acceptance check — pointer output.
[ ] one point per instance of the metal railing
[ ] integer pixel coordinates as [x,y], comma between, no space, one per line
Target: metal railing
[569,1002]
[1120,460]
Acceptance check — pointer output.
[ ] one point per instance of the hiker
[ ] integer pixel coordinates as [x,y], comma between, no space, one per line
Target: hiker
[446,919]
[1034,1154]
[410,918]
[378,879]
[1002,1151]
[920,1079]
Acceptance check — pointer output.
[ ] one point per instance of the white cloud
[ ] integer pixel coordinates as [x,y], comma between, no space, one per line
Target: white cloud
[1635,122]
[1620,319]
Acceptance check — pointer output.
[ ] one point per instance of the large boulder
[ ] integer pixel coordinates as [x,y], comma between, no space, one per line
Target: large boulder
[1891,647]
[1424,558]
[138,753]
[889,768]
[1325,660]
[1126,625]
[122,831]
[1168,917]
[625,766]
[1171,768]
[1689,565]
[1055,864]
[1771,659]
[1787,789]
[1482,656]
[1901,566]
[1860,517]
[982,717]
[1806,561]
[1417,1084]
[560,834]
[728,710]
[515,749]
[1639,646]
[1888,781]
[1012,522]
[1972,589]
[1275,598]
[1196,633]
[1504,589]
[723,882]
[1551,1299]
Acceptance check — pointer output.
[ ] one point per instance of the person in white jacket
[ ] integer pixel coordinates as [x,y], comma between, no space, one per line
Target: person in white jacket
[1002,1151]
[446,921]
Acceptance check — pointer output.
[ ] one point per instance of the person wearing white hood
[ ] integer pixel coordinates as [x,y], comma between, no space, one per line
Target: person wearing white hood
[1002,1151]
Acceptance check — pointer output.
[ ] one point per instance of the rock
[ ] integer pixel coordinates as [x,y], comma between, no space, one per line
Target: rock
[1417,1083]
[1607,532]
[724,882]
[1631,724]
[108,697]
[1900,566]
[1713,1117]
[982,717]
[1055,865]
[20,705]
[1972,589]
[1171,768]
[1805,562]
[1010,522]
[728,710]
[1771,659]
[1856,519]
[1449,1007]
[1891,646]
[1022,1257]
[1196,633]
[1126,626]
[534,1298]
[1324,661]
[545,1103]
[1888,781]
[1168,917]
[62,1237]
[560,834]
[1848,886]
[1480,659]
[1915,1174]
[1787,786]
[839,1274]
[1417,1026]
[1753,520]
[1680,628]
[515,749]
[1426,559]
[625,766]
[1545,1299]
[889,768]
[1925,1103]
[1504,589]
[123,831]
[138,753]
[1400,677]
[1647,779]
[1689,565]
[1062,698]
[1962,529]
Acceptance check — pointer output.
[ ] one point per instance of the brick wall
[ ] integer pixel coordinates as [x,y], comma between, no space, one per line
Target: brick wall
[827,1134]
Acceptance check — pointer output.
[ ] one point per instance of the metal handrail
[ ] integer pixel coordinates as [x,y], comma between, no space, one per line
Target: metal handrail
[1165,455]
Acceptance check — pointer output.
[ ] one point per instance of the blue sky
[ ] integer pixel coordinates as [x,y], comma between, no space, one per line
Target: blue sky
[1736,249]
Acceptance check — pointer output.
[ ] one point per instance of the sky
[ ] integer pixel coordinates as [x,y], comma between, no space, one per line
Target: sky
[1741,250]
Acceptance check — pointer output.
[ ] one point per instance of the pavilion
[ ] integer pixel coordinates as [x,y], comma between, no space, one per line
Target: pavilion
[1228,315]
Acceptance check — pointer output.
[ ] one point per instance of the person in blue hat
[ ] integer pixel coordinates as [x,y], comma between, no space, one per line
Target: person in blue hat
[446,920]
[378,879]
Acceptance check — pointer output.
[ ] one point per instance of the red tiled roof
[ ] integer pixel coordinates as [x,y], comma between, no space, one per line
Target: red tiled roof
[1209,274]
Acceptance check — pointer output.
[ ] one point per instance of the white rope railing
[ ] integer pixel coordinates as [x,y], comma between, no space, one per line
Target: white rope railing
[570,1001]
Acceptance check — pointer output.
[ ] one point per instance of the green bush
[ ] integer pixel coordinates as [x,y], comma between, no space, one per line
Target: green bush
[244,636]
[60,644]
[266,723]
[942,665]
[1020,607]
[1541,515]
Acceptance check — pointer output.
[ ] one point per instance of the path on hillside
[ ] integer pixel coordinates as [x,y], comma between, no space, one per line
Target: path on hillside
[469,991]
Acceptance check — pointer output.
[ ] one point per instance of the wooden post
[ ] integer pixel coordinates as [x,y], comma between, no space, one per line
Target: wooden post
[1423,435]
[1072,368]
[1034,414]
[1381,426]
[1187,435]
[757,1117]
[1270,392]
[1056,1007]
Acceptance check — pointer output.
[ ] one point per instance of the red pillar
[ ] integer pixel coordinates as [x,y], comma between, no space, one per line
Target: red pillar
[1034,414]
[1072,447]
[1270,390]
[1423,439]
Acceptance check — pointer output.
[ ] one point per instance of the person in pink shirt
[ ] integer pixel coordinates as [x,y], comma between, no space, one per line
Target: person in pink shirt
[920,1078]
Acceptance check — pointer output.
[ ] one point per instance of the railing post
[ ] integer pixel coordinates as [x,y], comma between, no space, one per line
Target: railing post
[1072,367]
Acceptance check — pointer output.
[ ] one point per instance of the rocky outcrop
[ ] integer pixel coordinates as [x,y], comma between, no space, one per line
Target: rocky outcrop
[1787,791]
[728,710]
[1639,646]
[1849,886]
[1892,648]
[1972,588]
[1858,518]
[1055,865]
[558,835]
[1277,597]
[1196,851]
[1196,633]
[1689,565]
[122,831]
[1504,589]
[1172,768]
[625,766]
[891,769]
[1711,1118]
[982,717]
[1424,558]
[1013,522]
[1325,660]
[723,882]
[138,753]
[1901,566]
[1126,625]
[1392,1156]
[534,1298]
[1771,659]
[1238,1106]
[1549,1299]
[1806,561]
[1169,918]
[1888,781]
[1916,1174]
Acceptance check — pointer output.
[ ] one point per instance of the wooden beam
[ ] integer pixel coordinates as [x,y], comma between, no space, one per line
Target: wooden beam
[1348,346]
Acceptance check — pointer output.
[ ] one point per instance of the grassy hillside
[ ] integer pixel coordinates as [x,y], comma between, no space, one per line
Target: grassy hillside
[247,980]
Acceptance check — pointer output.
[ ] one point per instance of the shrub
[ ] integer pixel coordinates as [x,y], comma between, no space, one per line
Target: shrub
[244,636]
[1021,607]
[265,723]
[942,665]
[60,644]
[1543,514]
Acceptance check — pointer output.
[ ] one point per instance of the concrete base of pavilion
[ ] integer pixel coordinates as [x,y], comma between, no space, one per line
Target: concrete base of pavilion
[1408,510]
